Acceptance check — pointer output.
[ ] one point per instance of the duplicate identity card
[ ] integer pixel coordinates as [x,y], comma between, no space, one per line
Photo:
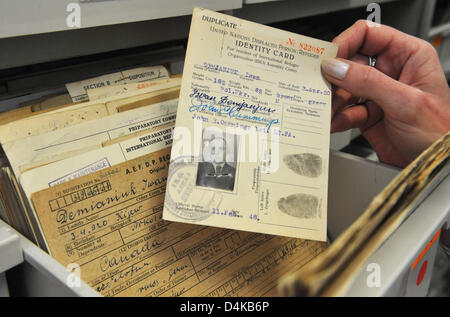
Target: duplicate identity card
[251,143]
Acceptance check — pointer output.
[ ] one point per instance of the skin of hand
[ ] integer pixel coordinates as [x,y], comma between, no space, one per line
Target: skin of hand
[408,98]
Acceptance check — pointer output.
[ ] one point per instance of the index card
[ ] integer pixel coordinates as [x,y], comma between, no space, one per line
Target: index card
[251,143]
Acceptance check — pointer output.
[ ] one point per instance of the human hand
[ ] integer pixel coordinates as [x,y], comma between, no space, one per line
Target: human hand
[408,98]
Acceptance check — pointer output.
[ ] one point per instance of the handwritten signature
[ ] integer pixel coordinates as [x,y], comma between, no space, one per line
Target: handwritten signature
[202,102]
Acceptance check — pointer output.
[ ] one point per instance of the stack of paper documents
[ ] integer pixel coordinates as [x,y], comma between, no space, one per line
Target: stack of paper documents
[34,139]
[87,181]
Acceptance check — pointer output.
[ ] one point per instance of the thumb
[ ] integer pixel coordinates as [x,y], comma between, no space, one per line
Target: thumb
[368,82]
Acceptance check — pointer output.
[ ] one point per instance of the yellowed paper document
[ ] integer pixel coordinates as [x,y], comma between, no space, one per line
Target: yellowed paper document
[109,224]
[38,150]
[117,152]
[251,142]
[63,117]
[78,90]
[50,121]
[117,90]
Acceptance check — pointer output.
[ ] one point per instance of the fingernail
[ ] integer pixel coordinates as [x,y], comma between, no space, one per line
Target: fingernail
[335,67]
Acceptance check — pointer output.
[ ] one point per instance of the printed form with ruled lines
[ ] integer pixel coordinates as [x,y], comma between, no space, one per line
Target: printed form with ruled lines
[252,135]
[109,225]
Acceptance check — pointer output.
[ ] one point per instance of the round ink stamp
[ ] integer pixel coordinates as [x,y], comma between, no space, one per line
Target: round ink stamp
[184,199]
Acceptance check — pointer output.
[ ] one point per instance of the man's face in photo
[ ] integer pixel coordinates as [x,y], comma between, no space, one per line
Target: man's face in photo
[217,150]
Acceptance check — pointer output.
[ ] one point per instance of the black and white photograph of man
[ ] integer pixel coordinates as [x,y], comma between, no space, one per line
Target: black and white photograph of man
[218,166]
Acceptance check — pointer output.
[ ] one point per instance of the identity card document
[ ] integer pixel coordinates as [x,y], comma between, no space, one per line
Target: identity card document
[251,143]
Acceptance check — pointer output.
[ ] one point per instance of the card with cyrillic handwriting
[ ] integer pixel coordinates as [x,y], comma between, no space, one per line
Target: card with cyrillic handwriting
[251,143]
